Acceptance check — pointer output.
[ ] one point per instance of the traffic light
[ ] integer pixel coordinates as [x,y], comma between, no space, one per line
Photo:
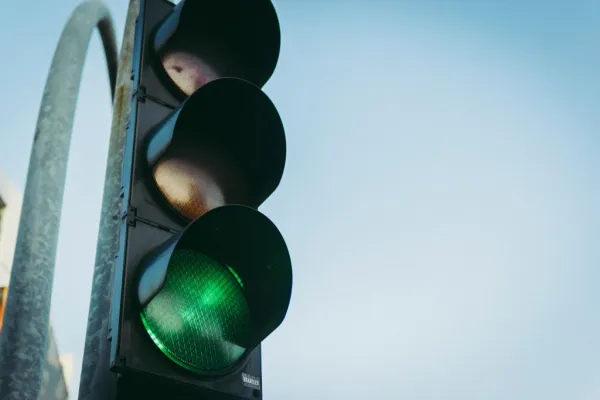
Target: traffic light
[202,277]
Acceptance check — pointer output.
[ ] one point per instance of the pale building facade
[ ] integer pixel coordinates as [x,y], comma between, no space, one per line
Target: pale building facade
[10,212]
[55,378]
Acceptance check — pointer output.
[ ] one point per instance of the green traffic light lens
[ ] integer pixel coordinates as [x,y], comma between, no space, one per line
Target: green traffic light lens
[200,316]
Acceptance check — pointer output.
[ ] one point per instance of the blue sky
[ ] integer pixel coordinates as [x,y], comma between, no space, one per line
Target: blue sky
[440,199]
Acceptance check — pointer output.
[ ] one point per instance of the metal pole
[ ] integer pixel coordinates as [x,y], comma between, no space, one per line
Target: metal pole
[97,383]
[24,337]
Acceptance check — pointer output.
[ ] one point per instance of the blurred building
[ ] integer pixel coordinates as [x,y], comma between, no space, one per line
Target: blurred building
[55,381]
[10,211]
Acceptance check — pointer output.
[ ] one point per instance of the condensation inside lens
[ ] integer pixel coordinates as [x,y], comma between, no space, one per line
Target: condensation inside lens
[200,317]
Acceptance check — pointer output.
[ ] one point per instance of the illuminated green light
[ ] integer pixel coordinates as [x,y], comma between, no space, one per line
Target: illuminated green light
[200,316]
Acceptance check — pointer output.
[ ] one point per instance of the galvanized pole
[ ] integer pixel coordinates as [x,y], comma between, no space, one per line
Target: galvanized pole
[97,383]
[24,338]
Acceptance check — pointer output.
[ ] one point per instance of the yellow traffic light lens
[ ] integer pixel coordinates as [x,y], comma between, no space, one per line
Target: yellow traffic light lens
[187,71]
[200,316]
[188,188]
[195,179]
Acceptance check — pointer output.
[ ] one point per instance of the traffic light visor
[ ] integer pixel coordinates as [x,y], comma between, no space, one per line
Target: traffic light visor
[234,119]
[213,292]
[235,37]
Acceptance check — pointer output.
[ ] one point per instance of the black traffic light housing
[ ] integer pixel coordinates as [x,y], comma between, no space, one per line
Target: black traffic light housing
[205,147]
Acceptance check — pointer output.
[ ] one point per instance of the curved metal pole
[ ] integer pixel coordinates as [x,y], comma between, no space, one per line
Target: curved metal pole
[24,338]
[107,35]
[97,382]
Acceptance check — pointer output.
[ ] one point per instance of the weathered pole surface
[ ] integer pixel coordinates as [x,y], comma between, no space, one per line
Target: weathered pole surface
[97,383]
[24,338]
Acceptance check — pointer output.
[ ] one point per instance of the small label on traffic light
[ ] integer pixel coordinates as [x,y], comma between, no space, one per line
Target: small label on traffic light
[251,381]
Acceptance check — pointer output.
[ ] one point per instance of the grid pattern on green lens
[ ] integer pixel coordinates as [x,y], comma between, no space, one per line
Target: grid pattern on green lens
[200,315]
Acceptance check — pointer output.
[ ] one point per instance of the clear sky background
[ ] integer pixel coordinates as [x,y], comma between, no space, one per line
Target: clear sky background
[440,198]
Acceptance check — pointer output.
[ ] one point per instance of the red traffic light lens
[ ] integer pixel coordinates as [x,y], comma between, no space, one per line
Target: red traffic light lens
[188,71]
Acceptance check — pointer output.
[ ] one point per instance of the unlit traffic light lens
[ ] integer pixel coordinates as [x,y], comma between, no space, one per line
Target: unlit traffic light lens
[200,315]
